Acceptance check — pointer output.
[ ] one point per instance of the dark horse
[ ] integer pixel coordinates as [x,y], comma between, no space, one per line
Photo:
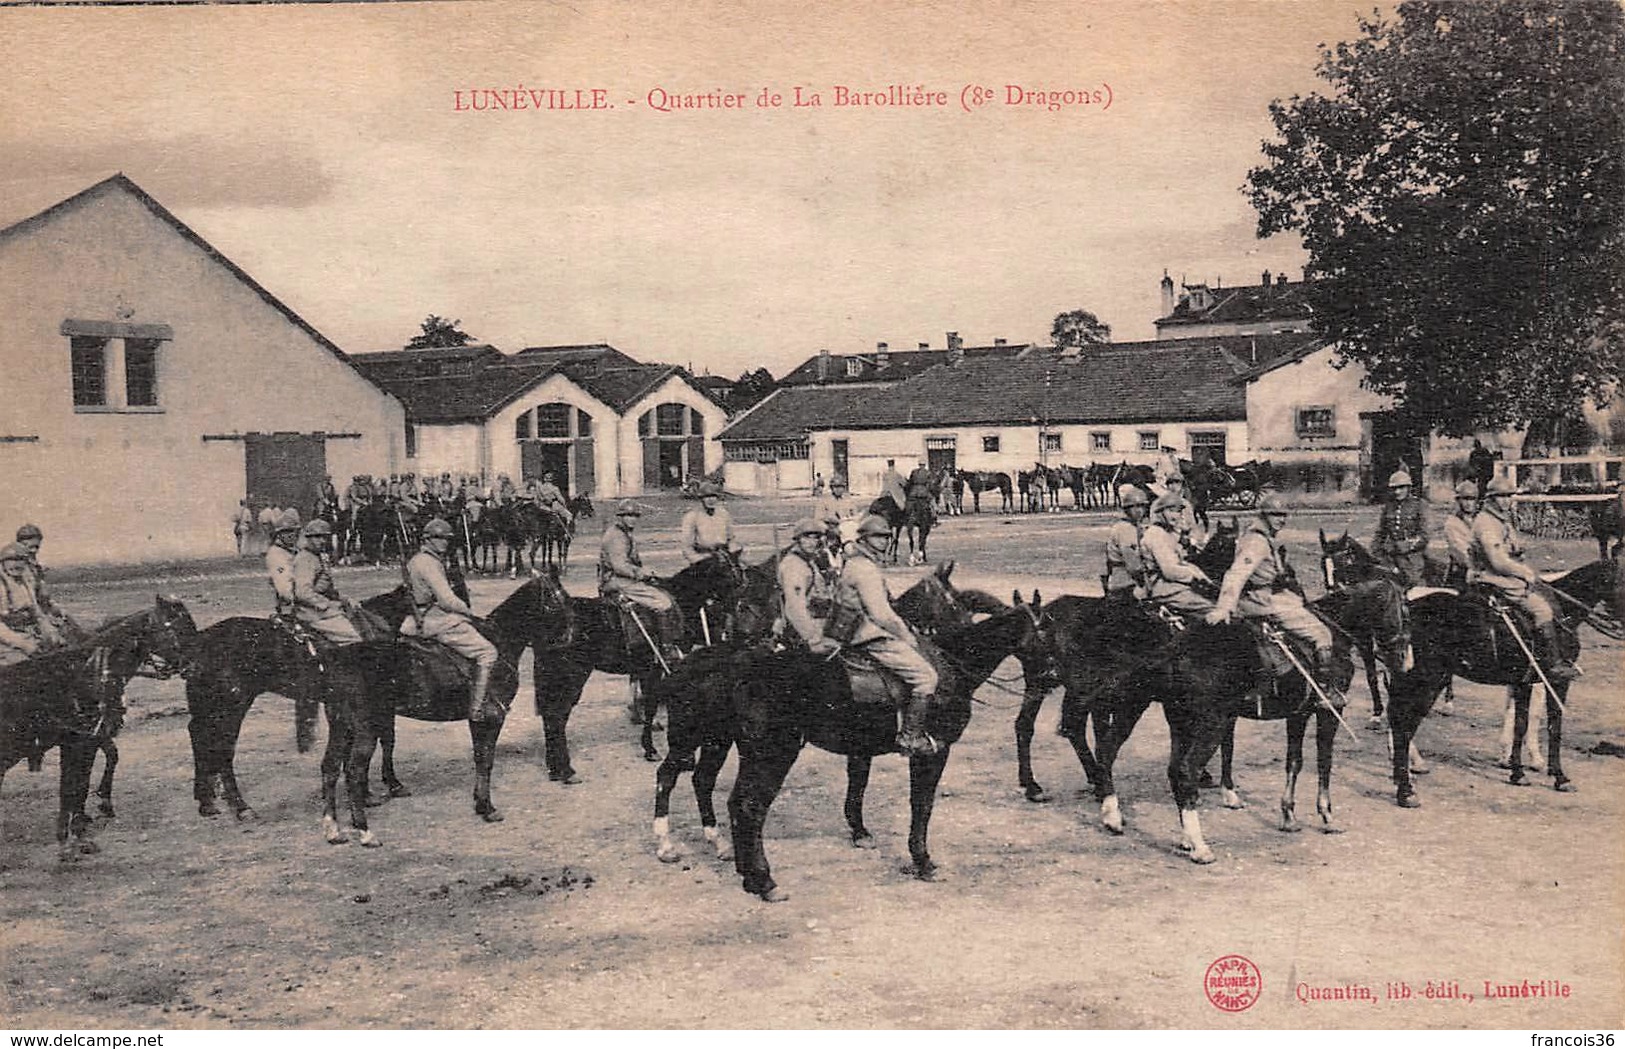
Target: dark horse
[371,683]
[73,698]
[916,519]
[1461,635]
[979,481]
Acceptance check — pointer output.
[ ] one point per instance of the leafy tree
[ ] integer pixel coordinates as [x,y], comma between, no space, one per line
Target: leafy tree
[750,389]
[1461,194]
[437,333]
[1079,328]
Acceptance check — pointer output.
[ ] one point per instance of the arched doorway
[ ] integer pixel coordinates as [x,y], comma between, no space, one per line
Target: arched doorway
[673,438]
[557,438]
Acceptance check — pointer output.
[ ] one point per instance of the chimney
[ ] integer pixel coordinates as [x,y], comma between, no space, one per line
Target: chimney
[925,346]
[882,356]
[956,349]
[823,365]
[1266,279]
[1168,302]
[1280,278]
[1000,342]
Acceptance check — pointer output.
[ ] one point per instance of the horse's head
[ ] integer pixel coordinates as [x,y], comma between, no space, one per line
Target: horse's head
[932,605]
[1344,562]
[539,611]
[1036,648]
[166,640]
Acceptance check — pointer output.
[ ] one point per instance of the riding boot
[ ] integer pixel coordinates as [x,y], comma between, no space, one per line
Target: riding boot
[1323,677]
[1551,654]
[913,740]
[476,695]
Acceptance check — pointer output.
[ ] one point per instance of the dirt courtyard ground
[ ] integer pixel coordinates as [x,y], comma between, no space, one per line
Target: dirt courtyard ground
[562,916]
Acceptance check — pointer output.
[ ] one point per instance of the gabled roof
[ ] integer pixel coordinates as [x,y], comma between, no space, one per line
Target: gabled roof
[900,364]
[1249,303]
[604,354]
[120,181]
[1184,380]
[473,396]
[1302,350]
[620,388]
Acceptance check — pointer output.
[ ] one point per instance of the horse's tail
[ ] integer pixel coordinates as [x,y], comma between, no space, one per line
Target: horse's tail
[305,707]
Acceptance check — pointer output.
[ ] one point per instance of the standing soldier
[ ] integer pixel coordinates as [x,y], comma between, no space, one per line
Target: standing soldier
[1261,585]
[1458,536]
[1124,571]
[448,491]
[316,600]
[1402,531]
[242,525]
[806,590]
[327,500]
[1171,579]
[709,529]
[24,628]
[621,573]
[863,618]
[440,615]
[1497,555]
[279,560]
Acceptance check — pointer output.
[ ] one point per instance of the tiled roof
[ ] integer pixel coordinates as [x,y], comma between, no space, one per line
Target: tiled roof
[1246,304]
[1300,350]
[620,388]
[605,354]
[900,364]
[790,411]
[472,397]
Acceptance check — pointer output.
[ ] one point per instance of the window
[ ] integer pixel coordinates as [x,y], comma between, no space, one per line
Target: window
[89,372]
[764,451]
[941,444]
[521,427]
[1052,442]
[854,367]
[646,424]
[141,372]
[1150,440]
[696,423]
[1100,441]
[1208,446]
[553,420]
[1319,420]
[583,424]
[990,444]
[411,439]
[669,419]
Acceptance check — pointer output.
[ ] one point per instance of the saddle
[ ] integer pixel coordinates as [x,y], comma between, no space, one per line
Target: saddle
[635,642]
[871,682]
[439,655]
[302,635]
[1275,662]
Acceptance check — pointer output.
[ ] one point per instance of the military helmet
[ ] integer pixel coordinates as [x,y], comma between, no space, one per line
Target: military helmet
[439,528]
[709,488]
[874,524]
[1467,490]
[807,526]
[1174,477]
[317,527]
[1272,503]
[1399,479]
[29,531]
[287,521]
[627,508]
[1132,495]
[14,552]
[1502,484]
[1168,502]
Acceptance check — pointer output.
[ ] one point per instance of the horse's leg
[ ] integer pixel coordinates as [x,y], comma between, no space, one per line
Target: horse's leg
[1111,733]
[666,775]
[386,740]
[356,762]
[104,791]
[1325,739]
[1026,721]
[761,774]
[924,774]
[73,787]
[647,701]
[712,758]
[484,734]
[1295,726]
[230,727]
[1520,732]
[202,728]
[1227,771]
[1368,655]
[1193,735]
[857,784]
[1554,742]
[1408,704]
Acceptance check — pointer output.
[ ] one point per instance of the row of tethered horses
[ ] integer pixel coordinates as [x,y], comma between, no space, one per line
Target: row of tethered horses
[766,701]
[513,536]
[1209,484]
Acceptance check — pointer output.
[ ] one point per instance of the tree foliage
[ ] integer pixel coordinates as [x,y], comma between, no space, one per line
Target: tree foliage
[1461,193]
[750,389]
[438,333]
[1079,328]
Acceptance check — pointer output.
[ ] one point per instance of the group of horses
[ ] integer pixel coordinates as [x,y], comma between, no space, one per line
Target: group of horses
[1209,485]
[518,533]
[742,690]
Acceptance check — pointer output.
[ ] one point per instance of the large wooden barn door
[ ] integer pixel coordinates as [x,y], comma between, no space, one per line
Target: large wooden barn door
[284,469]
[586,480]
[696,457]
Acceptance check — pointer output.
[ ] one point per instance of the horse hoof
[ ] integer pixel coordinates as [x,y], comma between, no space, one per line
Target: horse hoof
[1232,800]
[1328,827]
[922,871]
[668,853]
[1408,801]
[369,840]
[105,811]
[651,755]
[1114,826]
[774,895]
[725,852]
[1205,780]
[208,809]
[569,779]
[1518,779]
[1565,786]
[247,815]
[1419,769]
[1445,710]
[1203,856]
[1376,723]
[864,840]
[374,801]
[1037,795]
[400,790]
[491,816]
[88,848]
[338,838]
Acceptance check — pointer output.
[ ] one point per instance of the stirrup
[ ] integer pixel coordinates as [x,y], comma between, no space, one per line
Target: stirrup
[1172,618]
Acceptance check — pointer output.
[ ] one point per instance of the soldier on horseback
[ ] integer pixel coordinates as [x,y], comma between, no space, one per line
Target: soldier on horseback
[24,628]
[1497,558]
[892,486]
[327,500]
[32,538]
[709,530]
[1170,579]
[1174,484]
[1458,536]
[438,614]
[1261,585]
[807,591]
[550,499]
[1402,531]
[864,619]
[1124,571]
[621,574]
[280,557]
[316,600]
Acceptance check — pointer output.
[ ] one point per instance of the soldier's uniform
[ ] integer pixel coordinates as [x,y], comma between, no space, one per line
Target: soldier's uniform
[707,530]
[30,536]
[863,618]
[1169,577]
[1402,532]
[549,498]
[808,593]
[327,500]
[1125,571]
[279,562]
[440,615]
[316,599]
[621,574]
[921,492]
[1497,560]
[1458,535]
[891,485]
[1259,586]
[24,627]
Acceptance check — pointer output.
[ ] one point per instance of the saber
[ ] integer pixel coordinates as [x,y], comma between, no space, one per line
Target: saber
[1529,655]
[651,641]
[705,627]
[1292,657]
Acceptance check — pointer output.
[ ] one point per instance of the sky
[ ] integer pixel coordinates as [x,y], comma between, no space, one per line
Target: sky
[336,154]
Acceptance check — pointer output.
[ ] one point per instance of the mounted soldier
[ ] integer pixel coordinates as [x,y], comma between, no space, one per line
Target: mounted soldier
[279,560]
[1261,585]
[863,619]
[32,538]
[1174,484]
[316,599]
[550,499]
[1497,558]
[1458,536]
[359,493]
[621,575]
[808,592]
[1125,574]
[1402,531]
[24,628]
[447,492]
[708,530]
[1171,580]
[921,492]
[438,614]
[893,486]
[327,500]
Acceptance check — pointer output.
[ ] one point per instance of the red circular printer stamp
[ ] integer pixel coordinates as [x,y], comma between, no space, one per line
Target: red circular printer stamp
[1233,983]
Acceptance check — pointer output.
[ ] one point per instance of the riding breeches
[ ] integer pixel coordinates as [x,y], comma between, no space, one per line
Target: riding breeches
[668,623]
[1181,599]
[456,633]
[1286,610]
[1517,592]
[1412,568]
[904,660]
[334,626]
